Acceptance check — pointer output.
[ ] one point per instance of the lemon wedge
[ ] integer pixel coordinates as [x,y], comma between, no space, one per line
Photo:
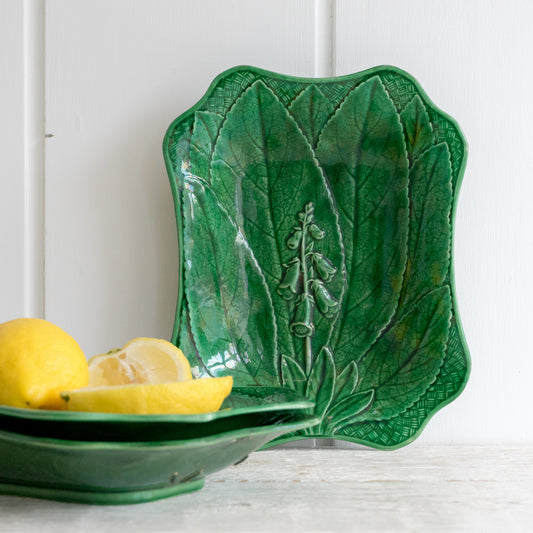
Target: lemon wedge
[142,360]
[196,396]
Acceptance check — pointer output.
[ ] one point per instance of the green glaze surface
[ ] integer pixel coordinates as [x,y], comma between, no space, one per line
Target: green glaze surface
[120,473]
[245,407]
[315,225]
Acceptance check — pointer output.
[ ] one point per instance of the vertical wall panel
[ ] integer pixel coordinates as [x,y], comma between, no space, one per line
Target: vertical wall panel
[12,160]
[472,59]
[118,72]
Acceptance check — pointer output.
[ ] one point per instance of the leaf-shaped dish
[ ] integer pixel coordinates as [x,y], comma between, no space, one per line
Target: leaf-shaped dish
[315,225]
[120,473]
[245,407]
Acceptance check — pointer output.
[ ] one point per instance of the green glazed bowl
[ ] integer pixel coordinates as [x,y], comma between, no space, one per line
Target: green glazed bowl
[315,229]
[122,473]
[245,407]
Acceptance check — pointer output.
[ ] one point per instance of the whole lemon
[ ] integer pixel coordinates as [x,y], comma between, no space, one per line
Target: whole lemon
[38,360]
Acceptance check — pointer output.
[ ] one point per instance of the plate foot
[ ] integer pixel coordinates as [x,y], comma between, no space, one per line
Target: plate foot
[99,497]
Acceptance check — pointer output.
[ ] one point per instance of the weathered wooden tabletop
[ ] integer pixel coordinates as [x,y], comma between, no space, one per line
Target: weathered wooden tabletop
[418,488]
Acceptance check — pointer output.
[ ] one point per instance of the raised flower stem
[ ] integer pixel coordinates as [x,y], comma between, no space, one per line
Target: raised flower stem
[308,214]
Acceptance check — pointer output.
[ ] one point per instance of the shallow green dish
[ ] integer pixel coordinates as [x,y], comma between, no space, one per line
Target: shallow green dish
[315,225]
[121,473]
[245,407]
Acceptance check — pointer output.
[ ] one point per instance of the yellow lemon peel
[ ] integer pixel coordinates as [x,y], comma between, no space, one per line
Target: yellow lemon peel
[38,360]
[196,396]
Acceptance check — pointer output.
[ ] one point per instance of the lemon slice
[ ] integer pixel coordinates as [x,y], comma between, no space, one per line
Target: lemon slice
[142,360]
[196,396]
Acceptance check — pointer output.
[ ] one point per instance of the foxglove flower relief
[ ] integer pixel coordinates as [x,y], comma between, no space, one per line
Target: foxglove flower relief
[323,266]
[326,304]
[302,322]
[305,267]
[316,232]
[294,240]
[288,288]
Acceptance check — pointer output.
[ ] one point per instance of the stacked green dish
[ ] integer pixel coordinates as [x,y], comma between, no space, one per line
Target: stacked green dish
[118,459]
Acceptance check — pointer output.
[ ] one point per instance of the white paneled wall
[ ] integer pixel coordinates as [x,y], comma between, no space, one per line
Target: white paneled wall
[12,169]
[110,76]
[117,74]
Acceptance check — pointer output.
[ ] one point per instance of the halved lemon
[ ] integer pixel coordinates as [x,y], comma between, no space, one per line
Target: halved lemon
[196,396]
[142,360]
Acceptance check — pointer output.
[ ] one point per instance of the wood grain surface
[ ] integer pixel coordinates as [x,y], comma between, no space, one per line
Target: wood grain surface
[415,489]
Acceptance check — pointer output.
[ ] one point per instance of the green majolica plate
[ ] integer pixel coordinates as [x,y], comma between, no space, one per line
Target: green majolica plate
[315,225]
[245,407]
[120,472]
